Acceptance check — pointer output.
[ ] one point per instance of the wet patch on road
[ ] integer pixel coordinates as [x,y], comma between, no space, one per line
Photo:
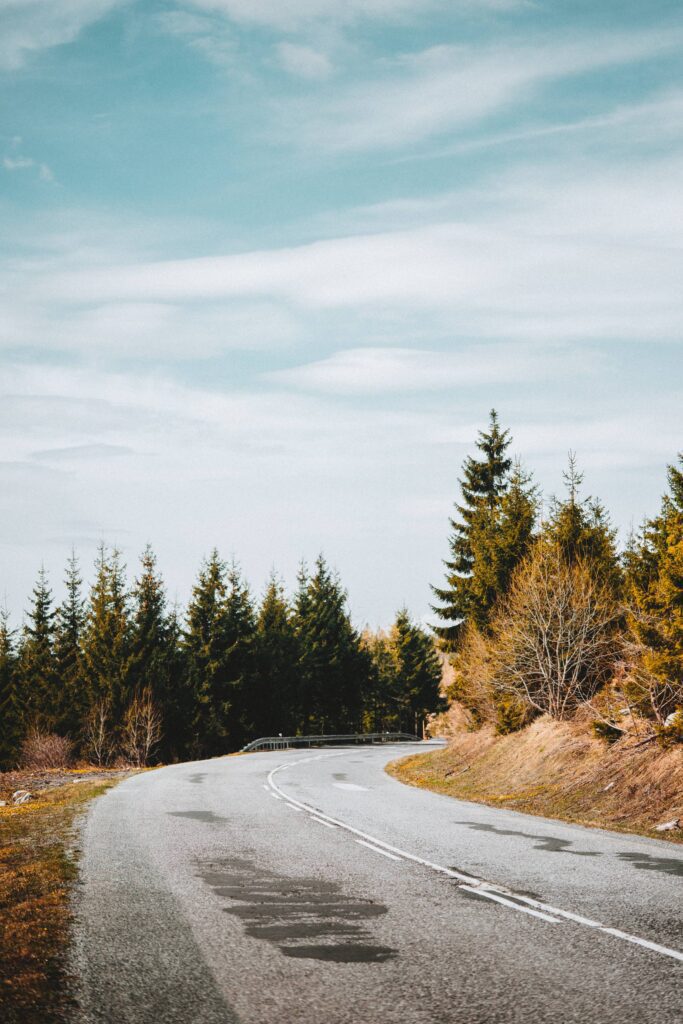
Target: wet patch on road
[284,911]
[646,862]
[197,778]
[208,816]
[549,844]
[340,776]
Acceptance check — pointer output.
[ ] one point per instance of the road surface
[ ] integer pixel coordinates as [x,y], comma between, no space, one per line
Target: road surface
[309,887]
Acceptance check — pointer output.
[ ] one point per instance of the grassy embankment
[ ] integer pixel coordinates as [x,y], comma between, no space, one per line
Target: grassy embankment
[558,770]
[37,870]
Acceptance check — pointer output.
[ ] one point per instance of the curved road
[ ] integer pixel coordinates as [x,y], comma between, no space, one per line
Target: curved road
[311,887]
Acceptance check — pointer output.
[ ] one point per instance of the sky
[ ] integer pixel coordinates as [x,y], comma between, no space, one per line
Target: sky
[266,265]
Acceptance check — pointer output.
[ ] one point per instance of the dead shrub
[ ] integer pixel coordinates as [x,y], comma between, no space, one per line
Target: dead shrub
[42,750]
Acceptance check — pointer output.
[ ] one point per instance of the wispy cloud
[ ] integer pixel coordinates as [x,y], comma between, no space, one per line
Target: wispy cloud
[29,26]
[303,61]
[15,160]
[369,371]
[422,95]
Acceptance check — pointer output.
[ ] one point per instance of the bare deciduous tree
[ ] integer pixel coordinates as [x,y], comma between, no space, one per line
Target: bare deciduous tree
[98,733]
[141,728]
[555,640]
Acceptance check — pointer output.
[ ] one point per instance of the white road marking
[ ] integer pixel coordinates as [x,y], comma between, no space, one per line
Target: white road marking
[293,807]
[266,788]
[473,884]
[321,822]
[487,895]
[376,849]
[351,786]
[276,796]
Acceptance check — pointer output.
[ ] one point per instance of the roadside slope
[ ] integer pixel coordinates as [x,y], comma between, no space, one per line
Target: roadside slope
[557,770]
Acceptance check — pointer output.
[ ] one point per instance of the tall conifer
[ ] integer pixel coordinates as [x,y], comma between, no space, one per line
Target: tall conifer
[490,534]
[40,683]
[278,693]
[11,725]
[69,625]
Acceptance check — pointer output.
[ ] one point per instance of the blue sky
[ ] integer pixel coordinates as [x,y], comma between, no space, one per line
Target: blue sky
[266,265]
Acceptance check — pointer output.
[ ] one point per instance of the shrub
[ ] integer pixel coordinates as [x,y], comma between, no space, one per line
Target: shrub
[555,640]
[46,750]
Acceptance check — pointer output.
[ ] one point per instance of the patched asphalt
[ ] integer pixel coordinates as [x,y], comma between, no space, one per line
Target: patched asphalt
[228,890]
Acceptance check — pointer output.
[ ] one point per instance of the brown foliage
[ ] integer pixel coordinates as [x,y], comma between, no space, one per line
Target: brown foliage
[46,750]
[555,641]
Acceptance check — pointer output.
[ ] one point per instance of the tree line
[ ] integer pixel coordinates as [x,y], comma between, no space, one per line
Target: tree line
[543,614]
[122,673]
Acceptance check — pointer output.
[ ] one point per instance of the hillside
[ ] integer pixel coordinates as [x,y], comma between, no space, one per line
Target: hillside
[558,770]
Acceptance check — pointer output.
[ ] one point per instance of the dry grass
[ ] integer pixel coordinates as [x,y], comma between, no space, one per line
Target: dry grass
[37,869]
[558,770]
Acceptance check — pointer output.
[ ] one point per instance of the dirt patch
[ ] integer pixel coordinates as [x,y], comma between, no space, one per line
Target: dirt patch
[558,770]
[37,871]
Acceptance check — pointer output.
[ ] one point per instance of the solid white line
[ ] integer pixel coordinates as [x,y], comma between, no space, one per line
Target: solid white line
[293,807]
[376,849]
[487,895]
[497,893]
[664,950]
[321,822]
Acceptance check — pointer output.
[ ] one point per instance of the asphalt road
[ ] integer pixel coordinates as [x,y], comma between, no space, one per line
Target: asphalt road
[309,886]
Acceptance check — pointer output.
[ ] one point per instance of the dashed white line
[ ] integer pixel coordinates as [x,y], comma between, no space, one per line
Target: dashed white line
[376,849]
[499,894]
[321,822]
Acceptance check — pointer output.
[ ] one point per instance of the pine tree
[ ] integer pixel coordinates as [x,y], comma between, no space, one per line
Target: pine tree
[40,686]
[241,659]
[106,636]
[175,695]
[333,666]
[205,644]
[69,625]
[582,529]
[654,587]
[11,725]
[276,709]
[490,534]
[417,673]
[148,629]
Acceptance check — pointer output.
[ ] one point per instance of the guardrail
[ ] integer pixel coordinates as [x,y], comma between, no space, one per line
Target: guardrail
[286,742]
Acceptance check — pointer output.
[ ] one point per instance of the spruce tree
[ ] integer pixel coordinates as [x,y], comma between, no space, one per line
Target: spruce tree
[241,659]
[69,625]
[149,653]
[490,534]
[417,673]
[277,708]
[582,529]
[11,724]
[106,636]
[205,644]
[333,666]
[175,695]
[40,685]
[654,588]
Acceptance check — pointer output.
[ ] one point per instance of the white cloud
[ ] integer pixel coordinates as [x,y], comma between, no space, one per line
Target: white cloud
[291,14]
[147,330]
[17,162]
[303,61]
[369,371]
[29,26]
[425,94]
